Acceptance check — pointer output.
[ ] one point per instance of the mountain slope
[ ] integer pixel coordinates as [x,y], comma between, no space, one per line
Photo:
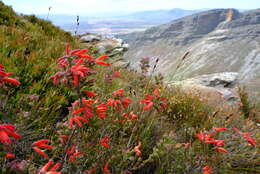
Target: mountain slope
[214,41]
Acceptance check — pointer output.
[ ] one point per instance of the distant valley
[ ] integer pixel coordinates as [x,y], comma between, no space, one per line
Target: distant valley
[111,24]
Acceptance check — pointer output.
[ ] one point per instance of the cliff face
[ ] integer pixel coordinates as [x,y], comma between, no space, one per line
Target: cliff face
[222,40]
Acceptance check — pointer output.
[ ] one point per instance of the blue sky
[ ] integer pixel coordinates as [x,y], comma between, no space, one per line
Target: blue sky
[117,6]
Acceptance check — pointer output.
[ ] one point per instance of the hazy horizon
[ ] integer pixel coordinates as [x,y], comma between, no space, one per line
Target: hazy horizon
[95,7]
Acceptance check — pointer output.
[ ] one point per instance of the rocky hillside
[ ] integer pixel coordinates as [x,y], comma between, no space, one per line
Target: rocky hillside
[215,41]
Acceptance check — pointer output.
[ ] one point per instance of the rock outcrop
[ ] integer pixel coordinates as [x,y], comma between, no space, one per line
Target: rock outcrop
[104,44]
[215,41]
[219,89]
[107,45]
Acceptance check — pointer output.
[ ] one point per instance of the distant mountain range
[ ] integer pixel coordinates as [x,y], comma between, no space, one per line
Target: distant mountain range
[118,23]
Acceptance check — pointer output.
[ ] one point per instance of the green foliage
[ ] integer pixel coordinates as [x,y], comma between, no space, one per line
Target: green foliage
[188,111]
[246,108]
[7,15]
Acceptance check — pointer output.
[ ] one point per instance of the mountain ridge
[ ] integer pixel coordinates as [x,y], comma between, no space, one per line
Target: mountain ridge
[137,20]
[220,40]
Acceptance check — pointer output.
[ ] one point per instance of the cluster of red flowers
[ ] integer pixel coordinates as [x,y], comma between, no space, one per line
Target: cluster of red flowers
[72,153]
[151,99]
[104,142]
[7,131]
[246,135]
[45,169]
[4,77]
[209,138]
[137,149]
[41,144]
[74,64]
[207,170]
[119,101]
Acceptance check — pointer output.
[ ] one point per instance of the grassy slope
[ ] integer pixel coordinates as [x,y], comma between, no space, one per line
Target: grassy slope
[29,48]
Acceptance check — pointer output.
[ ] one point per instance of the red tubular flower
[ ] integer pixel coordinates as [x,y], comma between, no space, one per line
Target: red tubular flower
[216,142]
[51,172]
[11,80]
[219,129]
[90,94]
[133,116]
[200,136]
[72,158]
[207,170]
[151,99]
[148,99]
[9,155]
[41,144]
[221,149]
[246,135]
[130,116]
[86,110]
[126,102]
[45,146]
[137,149]
[67,49]
[5,79]
[7,131]
[119,92]
[56,167]
[100,62]
[73,52]
[78,70]
[45,168]
[114,103]
[72,150]
[110,102]
[77,120]
[101,110]
[106,170]
[73,154]
[206,137]
[156,92]
[77,111]
[63,62]
[79,52]
[148,106]
[39,151]
[249,139]
[104,142]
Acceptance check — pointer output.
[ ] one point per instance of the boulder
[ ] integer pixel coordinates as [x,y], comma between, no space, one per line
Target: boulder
[219,89]
[90,38]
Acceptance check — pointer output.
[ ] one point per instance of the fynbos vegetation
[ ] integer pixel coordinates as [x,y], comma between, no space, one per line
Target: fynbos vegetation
[73,112]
